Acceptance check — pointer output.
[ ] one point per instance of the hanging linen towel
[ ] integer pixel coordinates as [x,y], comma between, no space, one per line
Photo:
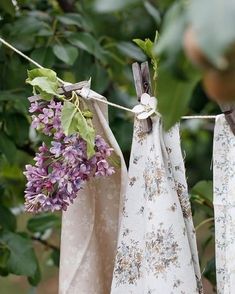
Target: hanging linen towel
[90,225]
[224,205]
[157,250]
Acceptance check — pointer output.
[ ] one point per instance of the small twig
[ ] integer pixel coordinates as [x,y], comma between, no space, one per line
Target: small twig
[45,243]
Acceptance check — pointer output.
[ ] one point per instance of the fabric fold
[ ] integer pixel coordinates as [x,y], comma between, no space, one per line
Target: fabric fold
[224,205]
[90,225]
[157,250]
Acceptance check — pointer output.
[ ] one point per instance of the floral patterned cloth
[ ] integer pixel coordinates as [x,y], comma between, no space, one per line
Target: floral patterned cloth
[90,226]
[157,248]
[224,205]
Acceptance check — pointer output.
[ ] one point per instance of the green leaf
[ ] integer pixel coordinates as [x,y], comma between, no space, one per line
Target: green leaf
[44,86]
[17,126]
[152,10]
[43,56]
[86,132]
[146,46]
[42,72]
[22,260]
[7,219]
[173,95]
[112,5]
[4,255]
[73,121]
[131,50]
[204,189]
[36,278]
[23,30]
[214,26]
[87,42]
[67,118]
[41,223]
[44,81]
[7,147]
[67,53]
[71,19]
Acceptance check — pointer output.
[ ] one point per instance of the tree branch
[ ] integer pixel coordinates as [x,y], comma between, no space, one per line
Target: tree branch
[45,243]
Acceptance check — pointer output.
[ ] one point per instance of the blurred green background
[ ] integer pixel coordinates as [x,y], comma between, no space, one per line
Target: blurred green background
[79,40]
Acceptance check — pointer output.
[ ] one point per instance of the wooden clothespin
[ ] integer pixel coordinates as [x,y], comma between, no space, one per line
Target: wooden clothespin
[142,85]
[229,112]
[65,89]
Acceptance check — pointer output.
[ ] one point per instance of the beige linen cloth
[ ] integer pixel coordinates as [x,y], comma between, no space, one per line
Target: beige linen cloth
[90,226]
[157,250]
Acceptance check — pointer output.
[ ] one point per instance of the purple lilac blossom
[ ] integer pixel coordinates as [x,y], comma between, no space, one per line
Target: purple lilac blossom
[60,169]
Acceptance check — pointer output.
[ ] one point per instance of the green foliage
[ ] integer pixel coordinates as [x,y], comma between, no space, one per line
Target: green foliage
[21,259]
[204,189]
[7,219]
[93,39]
[88,43]
[7,147]
[44,82]
[41,223]
[148,47]
[170,41]
[202,194]
[173,99]
[209,271]
[68,54]
[73,121]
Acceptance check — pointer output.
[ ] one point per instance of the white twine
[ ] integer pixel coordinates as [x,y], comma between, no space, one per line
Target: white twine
[87,93]
[199,117]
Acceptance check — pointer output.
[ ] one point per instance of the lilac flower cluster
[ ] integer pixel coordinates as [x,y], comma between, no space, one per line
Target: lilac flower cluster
[61,168]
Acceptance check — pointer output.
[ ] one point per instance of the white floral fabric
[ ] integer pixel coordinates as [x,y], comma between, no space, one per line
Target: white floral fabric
[157,250]
[224,205]
[90,226]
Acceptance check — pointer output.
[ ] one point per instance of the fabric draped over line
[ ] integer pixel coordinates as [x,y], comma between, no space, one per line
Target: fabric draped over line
[224,205]
[90,225]
[146,223]
[157,250]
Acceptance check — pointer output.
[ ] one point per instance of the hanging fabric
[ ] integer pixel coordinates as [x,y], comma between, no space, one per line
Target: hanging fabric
[224,205]
[90,226]
[157,248]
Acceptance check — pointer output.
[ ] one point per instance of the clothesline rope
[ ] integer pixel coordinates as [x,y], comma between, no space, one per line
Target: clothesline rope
[100,98]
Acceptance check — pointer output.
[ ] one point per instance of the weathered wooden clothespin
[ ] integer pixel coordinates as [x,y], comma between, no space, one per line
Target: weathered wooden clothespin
[229,112]
[142,85]
[65,89]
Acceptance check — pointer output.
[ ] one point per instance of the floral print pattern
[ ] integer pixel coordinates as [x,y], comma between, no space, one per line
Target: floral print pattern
[161,250]
[224,205]
[157,250]
[129,259]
